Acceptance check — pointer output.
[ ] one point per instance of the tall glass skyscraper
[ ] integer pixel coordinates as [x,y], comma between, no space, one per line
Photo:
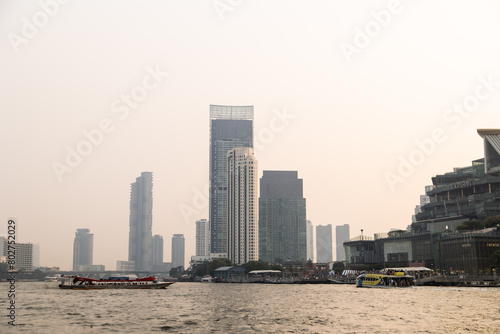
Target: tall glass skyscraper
[282,218]
[141,220]
[230,127]
[242,235]
[83,248]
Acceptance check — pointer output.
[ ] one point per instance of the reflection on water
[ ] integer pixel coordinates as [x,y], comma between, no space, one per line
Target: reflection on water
[252,308]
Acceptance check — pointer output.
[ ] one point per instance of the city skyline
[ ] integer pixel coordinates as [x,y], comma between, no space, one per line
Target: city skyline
[87,107]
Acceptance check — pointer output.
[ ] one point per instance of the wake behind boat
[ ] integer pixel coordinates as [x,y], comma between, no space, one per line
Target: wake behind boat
[83,283]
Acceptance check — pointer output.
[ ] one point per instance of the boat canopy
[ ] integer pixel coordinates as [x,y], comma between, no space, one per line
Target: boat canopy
[257,272]
[405,269]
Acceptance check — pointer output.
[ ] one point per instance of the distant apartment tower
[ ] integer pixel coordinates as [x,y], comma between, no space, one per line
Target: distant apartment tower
[83,248]
[202,237]
[310,240]
[230,127]
[341,234]
[178,250]
[282,218]
[324,244]
[36,255]
[243,234]
[141,221]
[157,247]
[24,256]
[125,265]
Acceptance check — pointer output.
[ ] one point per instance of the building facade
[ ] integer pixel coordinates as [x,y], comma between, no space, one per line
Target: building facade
[242,209]
[83,248]
[282,218]
[342,234]
[178,250]
[230,127]
[324,244]
[202,238]
[141,221]
[125,265]
[310,241]
[157,245]
[24,256]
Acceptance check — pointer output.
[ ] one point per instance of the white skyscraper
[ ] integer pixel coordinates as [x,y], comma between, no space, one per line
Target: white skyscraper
[342,234]
[202,238]
[243,229]
[141,220]
[310,240]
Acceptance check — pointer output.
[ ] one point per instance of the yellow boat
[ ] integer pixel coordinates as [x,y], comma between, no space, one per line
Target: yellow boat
[384,281]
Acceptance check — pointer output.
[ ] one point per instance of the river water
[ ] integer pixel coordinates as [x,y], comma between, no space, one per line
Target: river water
[252,308]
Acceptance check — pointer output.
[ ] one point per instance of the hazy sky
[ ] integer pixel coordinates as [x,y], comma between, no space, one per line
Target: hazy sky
[342,90]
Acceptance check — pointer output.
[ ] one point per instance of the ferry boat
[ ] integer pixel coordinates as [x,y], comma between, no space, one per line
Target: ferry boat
[384,281]
[83,283]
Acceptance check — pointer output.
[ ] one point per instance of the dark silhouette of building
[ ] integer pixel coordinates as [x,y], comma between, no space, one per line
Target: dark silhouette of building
[282,217]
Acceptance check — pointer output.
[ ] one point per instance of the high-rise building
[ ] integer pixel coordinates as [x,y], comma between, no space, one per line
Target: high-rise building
[36,255]
[282,217]
[141,221]
[310,240]
[202,238]
[157,246]
[243,234]
[178,250]
[24,256]
[83,248]
[324,244]
[230,127]
[341,234]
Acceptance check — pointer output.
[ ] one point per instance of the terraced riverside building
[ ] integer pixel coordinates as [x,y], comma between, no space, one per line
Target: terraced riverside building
[471,192]
[466,193]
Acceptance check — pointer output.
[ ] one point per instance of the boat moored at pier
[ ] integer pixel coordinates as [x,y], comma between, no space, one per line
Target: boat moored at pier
[384,281]
[83,283]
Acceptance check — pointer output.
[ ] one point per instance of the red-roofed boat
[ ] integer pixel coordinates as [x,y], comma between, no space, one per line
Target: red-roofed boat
[84,283]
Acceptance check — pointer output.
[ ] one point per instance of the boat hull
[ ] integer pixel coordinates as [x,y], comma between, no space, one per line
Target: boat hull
[163,285]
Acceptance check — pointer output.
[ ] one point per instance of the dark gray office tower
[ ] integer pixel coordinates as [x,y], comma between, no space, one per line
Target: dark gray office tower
[157,252]
[83,248]
[282,217]
[230,127]
[141,221]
